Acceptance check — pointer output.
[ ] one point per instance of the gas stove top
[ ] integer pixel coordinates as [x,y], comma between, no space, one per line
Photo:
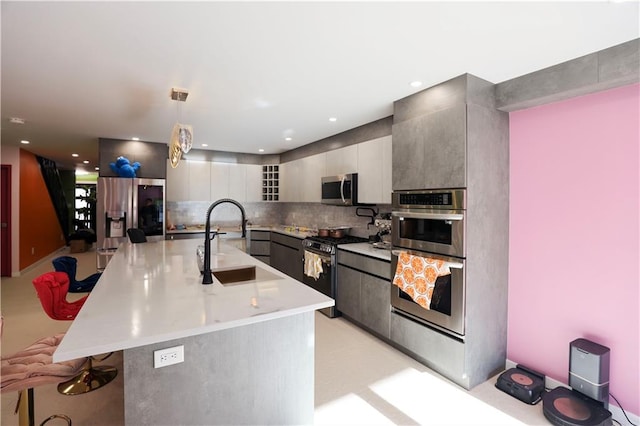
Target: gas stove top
[348,239]
[328,245]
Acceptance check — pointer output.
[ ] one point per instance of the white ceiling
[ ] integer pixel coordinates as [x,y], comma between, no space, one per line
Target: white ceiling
[257,72]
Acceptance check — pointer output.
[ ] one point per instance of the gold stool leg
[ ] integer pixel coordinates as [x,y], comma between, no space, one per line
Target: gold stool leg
[91,378]
[24,408]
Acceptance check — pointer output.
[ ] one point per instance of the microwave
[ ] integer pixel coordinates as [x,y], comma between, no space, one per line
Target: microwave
[340,190]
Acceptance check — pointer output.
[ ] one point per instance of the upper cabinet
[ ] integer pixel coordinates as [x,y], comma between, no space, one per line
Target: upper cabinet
[199,176]
[289,181]
[312,169]
[178,182]
[300,180]
[210,181]
[219,182]
[342,160]
[253,182]
[374,171]
[429,151]
[449,136]
[238,182]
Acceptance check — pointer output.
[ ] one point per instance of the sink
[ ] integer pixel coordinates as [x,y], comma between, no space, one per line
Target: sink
[239,274]
[235,274]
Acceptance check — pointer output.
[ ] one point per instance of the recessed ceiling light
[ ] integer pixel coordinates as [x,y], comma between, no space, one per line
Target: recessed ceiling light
[415,83]
[97,168]
[287,139]
[75,155]
[86,161]
[333,119]
[261,150]
[16,120]
[205,144]
[135,138]
[24,142]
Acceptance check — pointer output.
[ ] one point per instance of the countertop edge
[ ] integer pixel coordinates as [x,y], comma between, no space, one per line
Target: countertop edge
[130,257]
[366,249]
[60,356]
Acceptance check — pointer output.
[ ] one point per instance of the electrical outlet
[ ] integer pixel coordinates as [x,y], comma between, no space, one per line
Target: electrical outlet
[168,356]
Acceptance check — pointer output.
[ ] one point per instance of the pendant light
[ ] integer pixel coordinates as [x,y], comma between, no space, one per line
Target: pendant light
[182,134]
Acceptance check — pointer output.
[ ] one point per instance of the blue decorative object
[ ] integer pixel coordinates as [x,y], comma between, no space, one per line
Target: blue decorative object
[123,168]
[69,265]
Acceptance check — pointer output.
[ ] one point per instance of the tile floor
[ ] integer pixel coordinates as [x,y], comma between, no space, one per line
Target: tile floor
[359,378]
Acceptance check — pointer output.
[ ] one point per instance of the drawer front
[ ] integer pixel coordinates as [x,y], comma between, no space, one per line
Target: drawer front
[264,259]
[286,240]
[185,236]
[372,266]
[260,248]
[260,235]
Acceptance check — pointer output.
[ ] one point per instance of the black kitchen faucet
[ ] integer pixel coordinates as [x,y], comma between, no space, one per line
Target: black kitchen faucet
[207,277]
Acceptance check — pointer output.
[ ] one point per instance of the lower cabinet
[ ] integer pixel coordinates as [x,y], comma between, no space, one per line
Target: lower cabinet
[432,348]
[286,255]
[363,291]
[185,236]
[260,245]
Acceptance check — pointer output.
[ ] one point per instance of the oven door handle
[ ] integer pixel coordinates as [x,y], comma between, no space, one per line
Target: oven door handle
[433,216]
[455,265]
[325,259]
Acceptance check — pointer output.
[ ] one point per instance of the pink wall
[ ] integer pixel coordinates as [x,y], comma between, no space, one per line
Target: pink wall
[574,231]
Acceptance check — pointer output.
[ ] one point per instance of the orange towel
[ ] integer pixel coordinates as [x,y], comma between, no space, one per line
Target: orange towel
[416,276]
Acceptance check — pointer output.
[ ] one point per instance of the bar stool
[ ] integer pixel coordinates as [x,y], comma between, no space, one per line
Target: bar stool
[69,264]
[52,290]
[136,235]
[31,367]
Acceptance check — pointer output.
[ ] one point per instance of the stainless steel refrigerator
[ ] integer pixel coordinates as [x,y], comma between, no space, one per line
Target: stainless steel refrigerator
[125,203]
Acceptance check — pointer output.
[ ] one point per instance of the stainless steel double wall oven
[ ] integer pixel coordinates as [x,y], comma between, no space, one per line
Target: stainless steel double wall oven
[431,223]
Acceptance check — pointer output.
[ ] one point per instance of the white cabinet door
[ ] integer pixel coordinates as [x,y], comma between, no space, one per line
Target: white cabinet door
[199,180]
[387,175]
[374,171]
[178,182]
[312,169]
[238,182]
[284,182]
[219,181]
[290,181]
[254,182]
[343,160]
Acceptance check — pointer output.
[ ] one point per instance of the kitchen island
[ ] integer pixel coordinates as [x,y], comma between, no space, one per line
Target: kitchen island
[248,345]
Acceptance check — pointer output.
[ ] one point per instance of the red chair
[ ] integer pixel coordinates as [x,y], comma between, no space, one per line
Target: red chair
[52,289]
[31,367]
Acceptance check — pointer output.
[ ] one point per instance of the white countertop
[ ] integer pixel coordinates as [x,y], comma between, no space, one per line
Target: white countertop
[367,250]
[152,292]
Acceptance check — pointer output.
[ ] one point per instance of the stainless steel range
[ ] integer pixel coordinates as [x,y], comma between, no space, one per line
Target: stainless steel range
[324,279]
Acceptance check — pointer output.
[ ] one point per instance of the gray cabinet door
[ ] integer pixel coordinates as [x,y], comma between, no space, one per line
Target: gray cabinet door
[429,151]
[287,258]
[375,306]
[348,292]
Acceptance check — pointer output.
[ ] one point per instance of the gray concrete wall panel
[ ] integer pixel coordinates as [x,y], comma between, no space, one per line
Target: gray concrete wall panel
[257,374]
[613,67]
